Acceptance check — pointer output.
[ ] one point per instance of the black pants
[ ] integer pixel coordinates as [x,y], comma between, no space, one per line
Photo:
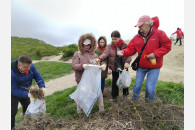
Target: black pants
[14,107]
[115,89]
[178,39]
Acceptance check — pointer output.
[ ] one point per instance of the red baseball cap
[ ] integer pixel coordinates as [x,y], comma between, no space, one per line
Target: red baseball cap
[142,20]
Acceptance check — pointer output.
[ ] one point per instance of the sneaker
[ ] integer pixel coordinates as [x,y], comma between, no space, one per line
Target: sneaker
[101,109]
[124,97]
[114,100]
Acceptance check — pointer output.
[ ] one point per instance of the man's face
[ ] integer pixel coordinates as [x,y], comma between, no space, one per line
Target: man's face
[24,67]
[144,28]
[115,40]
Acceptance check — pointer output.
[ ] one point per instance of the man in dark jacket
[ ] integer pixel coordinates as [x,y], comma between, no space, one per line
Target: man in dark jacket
[152,57]
[22,74]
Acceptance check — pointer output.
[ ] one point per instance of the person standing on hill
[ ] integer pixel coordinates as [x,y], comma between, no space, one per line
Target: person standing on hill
[102,43]
[115,62]
[87,45]
[152,57]
[179,36]
[22,74]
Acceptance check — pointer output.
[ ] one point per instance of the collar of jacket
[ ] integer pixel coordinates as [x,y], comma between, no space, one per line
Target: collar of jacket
[151,31]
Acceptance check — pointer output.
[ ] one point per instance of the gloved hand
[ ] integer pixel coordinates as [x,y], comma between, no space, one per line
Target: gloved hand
[126,66]
[98,61]
[44,90]
[30,95]
[103,67]
[120,53]
[85,66]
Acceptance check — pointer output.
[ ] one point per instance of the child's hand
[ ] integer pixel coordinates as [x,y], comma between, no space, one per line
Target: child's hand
[103,67]
[126,66]
[85,66]
[120,53]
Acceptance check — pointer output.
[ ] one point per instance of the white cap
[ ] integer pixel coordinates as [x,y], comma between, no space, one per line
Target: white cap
[87,41]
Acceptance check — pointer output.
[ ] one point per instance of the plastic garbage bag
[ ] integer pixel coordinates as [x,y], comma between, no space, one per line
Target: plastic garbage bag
[124,79]
[36,107]
[88,88]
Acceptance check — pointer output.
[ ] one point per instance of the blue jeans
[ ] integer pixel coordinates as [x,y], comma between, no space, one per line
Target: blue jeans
[102,85]
[151,81]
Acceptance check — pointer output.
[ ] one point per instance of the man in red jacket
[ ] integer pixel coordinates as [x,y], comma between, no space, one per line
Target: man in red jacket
[157,46]
[179,35]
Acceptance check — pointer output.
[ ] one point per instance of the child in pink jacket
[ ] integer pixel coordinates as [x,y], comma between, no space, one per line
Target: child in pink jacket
[87,45]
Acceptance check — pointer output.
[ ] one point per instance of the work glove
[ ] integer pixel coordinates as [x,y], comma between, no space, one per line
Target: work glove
[103,67]
[44,90]
[30,95]
[85,66]
[120,53]
[126,66]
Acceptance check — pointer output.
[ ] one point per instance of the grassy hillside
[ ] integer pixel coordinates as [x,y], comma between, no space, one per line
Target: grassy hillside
[165,113]
[32,47]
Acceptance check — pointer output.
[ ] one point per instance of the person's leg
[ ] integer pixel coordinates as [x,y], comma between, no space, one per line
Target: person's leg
[100,102]
[151,81]
[78,108]
[14,109]
[125,92]
[25,102]
[115,89]
[102,85]
[140,74]
[180,41]
[176,41]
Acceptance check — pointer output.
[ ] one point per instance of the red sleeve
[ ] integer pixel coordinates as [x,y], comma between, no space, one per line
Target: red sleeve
[174,32]
[130,50]
[165,45]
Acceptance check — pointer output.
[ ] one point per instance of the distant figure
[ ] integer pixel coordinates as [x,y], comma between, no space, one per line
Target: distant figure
[179,35]
[22,74]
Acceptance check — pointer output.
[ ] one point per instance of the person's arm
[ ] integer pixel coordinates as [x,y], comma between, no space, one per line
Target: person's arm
[16,90]
[174,32]
[76,63]
[38,78]
[130,50]
[165,45]
[105,54]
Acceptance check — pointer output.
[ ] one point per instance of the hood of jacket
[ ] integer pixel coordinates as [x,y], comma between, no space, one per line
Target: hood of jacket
[93,43]
[104,40]
[156,22]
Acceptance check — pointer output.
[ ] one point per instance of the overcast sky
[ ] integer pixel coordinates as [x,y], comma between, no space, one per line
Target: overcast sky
[61,22]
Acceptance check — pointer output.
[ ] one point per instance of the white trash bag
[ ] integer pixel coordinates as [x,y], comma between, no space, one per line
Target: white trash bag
[124,79]
[36,107]
[88,88]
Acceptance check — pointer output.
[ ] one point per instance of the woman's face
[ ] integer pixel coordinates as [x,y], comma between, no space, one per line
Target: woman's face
[87,47]
[115,40]
[102,43]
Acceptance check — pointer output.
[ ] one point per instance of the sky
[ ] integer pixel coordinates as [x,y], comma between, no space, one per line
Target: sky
[62,22]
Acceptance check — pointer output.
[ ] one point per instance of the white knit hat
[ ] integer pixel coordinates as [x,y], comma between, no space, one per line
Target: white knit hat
[87,41]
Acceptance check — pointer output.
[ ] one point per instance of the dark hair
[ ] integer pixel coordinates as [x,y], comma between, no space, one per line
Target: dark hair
[101,39]
[115,34]
[24,60]
[177,28]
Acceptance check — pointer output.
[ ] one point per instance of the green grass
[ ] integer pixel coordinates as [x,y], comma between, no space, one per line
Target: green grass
[51,69]
[32,47]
